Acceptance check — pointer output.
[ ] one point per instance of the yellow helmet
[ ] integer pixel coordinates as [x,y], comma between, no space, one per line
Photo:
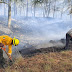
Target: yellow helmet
[15,41]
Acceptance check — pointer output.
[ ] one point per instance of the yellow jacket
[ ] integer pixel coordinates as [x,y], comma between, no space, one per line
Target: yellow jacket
[6,40]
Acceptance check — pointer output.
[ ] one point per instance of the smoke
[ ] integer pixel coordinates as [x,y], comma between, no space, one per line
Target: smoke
[39,31]
[51,44]
[36,31]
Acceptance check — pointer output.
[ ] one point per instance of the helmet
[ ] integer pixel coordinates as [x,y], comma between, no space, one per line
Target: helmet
[15,41]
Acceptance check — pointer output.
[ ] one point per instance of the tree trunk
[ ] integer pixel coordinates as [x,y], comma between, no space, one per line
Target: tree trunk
[9,13]
[34,10]
[54,8]
[20,11]
[49,8]
[46,8]
[14,9]
[27,9]
[4,9]
[31,9]
[71,10]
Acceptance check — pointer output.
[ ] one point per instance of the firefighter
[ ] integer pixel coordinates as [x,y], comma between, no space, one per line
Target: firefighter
[6,40]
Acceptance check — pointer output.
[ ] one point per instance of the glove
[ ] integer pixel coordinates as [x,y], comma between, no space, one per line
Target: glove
[9,54]
[1,44]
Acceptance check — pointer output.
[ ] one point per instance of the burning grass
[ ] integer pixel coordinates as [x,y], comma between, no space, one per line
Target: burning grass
[43,62]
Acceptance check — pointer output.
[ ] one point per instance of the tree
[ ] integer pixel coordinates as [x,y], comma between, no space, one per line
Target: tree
[27,9]
[9,13]
[35,3]
[8,2]
[54,8]
[71,9]
[15,8]
[69,6]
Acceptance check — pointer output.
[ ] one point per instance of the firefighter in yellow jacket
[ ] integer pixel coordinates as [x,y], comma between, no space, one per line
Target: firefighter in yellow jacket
[6,40]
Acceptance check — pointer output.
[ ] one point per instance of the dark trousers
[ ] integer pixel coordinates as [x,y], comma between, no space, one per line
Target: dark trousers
[2,62]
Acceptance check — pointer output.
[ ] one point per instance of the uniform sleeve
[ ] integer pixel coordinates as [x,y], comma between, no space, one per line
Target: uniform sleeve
[10,49]
[0,41]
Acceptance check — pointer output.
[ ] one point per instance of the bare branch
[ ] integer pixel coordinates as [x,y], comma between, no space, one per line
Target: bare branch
[4,3]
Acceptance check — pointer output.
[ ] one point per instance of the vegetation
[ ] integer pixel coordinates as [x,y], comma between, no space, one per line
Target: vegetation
[47,7]
[43,62]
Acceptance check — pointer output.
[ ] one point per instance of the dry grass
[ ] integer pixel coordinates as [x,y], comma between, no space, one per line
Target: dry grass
[45,62]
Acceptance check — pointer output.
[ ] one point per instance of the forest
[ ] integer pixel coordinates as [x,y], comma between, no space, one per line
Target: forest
[35,8]
[43,31]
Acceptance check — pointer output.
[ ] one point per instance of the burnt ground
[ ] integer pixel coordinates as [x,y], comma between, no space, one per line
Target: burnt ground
[31,50]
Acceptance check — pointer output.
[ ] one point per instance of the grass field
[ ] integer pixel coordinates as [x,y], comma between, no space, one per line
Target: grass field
[43,62]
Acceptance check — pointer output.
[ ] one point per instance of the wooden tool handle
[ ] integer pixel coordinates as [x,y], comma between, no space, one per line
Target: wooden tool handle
[8,56]
[6,52]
